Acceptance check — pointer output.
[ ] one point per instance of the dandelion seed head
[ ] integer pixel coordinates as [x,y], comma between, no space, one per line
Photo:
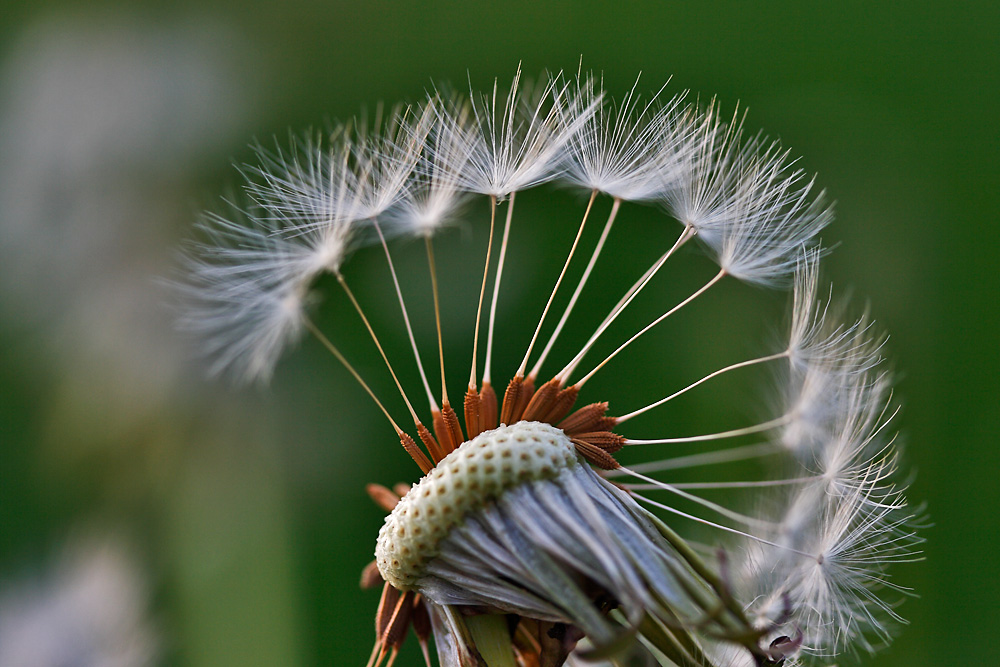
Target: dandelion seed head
[526,535]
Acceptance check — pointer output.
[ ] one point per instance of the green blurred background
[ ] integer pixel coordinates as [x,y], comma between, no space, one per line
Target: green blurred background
[245,510]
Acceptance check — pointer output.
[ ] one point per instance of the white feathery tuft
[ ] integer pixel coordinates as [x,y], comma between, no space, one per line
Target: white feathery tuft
[250,276]
[245,292]
[746,203]
[314,186]
[820,573]
[436,194]
[387,154]
[833,598]
[695,186]
[832,374]
[620,147]
[298,185]
[516,145]
[774,214]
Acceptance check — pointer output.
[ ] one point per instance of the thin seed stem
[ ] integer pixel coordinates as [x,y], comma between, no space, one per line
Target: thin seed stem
[406,316]
[742,364]
[579,288]
[314,330]
[371,332]
[715,507]
[637,285]
[482,292]
[757,428]
[633,291]
[555,288]
[726,485]
[706,458]
[437,313]
[652,324]
[719,526]
[375,652]
[496,288]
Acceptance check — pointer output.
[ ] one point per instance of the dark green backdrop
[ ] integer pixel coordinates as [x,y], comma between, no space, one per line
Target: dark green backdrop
[255,546]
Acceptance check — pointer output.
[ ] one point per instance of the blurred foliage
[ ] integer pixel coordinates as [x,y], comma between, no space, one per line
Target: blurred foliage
[249,506]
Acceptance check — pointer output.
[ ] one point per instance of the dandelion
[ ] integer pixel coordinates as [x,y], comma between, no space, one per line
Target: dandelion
[527,541]
[90,608]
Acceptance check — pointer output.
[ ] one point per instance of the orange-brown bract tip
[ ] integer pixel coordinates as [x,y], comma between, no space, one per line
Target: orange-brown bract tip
[433,448]
[399,622]
[453,427]
[382,496]
[422,627]
[371,577]
[586,419]
[392,620]
[386,604]
[609,442]
[562,404]
[595,455]
[473,407]
[421,619]
[488,413]
[510,399]
[527,391]
[442,432]
[417,454]
[542,402]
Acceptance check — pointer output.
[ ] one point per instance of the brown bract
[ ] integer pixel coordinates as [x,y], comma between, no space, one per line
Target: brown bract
[536,643]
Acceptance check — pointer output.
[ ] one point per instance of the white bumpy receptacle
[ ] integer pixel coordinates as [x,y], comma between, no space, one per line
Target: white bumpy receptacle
[476,473]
